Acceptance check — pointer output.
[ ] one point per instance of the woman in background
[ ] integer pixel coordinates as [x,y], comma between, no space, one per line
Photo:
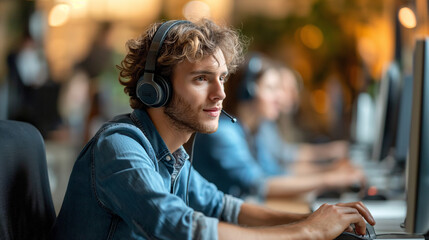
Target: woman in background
[237,159]
[277,134]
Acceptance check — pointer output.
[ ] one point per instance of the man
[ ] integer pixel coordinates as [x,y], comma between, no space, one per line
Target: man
[133,180]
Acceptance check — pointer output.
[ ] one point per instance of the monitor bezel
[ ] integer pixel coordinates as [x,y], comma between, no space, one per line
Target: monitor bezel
[414,160]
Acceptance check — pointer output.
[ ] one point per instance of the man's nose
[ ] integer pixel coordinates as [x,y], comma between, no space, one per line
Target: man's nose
[217,91]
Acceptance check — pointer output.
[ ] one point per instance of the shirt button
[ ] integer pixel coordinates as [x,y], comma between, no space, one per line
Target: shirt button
[168,158]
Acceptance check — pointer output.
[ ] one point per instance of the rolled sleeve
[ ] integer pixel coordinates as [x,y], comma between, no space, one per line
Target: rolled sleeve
[207,227]
[231,209]
[204,227]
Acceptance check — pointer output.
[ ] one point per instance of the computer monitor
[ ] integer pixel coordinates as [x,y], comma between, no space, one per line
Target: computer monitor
[404,123]
[417,218]
[387,112]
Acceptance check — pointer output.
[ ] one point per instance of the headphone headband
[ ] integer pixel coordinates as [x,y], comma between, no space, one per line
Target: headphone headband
[157,41]
[153,90]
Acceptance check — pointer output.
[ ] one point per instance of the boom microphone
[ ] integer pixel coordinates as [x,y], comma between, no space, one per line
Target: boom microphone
[233,119]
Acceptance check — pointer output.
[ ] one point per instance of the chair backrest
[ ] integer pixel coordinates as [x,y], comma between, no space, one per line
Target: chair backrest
[26,208]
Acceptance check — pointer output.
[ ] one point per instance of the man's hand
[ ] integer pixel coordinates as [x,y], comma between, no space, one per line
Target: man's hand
[329,221]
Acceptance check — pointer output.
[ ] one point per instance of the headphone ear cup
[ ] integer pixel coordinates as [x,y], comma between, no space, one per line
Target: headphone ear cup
[153,93]
[243,94]
[248,86]
[165,91]
[147,90]
[248,92]
[153,90]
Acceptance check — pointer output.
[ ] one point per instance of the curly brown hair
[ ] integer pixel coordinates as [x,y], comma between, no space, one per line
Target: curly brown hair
[190,41]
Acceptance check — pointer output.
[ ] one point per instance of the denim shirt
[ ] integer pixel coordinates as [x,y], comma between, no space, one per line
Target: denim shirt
[284,152]
[242,160]
[126,184]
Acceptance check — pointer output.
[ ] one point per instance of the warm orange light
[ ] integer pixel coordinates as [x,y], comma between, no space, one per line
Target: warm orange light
[59,15]
[407,17]
[368,50]
[320,101]
[195,10]
[79,8]
[311,36]
[133,12]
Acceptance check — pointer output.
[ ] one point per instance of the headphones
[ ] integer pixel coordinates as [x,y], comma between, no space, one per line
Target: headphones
[247,89]
[152,89]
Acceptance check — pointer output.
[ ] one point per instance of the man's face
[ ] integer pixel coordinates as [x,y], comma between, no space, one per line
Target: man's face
[198,94]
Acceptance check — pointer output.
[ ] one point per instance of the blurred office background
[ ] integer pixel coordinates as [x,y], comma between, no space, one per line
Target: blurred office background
[58,57]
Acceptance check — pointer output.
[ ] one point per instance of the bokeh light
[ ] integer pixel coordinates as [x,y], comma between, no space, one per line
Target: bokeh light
[311,36]
[407,17]
[195,10]
[59,15]
[320,101]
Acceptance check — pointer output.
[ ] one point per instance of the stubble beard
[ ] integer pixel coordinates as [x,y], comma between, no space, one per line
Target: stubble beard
[184,118]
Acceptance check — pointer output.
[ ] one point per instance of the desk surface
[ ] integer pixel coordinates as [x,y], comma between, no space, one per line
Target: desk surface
[296,205]
[388,214]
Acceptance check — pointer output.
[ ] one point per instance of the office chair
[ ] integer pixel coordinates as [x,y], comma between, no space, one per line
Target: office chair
[26,208]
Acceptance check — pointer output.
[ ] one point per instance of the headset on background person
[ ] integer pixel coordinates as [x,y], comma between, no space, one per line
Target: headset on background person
[255,66]
[248,85]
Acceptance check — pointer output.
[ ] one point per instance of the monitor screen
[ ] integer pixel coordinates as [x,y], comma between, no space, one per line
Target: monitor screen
[417,219]
[387,112]
[404,122]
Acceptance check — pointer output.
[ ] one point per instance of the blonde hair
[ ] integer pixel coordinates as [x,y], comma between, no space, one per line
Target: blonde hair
[187,41]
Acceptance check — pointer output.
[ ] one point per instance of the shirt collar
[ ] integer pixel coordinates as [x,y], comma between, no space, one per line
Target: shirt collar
[149,130]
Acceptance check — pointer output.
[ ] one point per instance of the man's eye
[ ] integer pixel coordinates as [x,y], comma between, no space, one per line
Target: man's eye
[223,79]
[200,78]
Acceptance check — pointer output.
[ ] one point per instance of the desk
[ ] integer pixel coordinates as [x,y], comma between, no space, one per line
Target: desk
[296,205]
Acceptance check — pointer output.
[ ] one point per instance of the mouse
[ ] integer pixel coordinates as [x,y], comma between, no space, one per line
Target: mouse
[350,236]
[370,234]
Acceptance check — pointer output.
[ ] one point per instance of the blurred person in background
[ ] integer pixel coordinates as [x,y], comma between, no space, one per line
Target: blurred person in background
[236,157]
[305,157]
[133,179]
[32,91]
[97,61]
